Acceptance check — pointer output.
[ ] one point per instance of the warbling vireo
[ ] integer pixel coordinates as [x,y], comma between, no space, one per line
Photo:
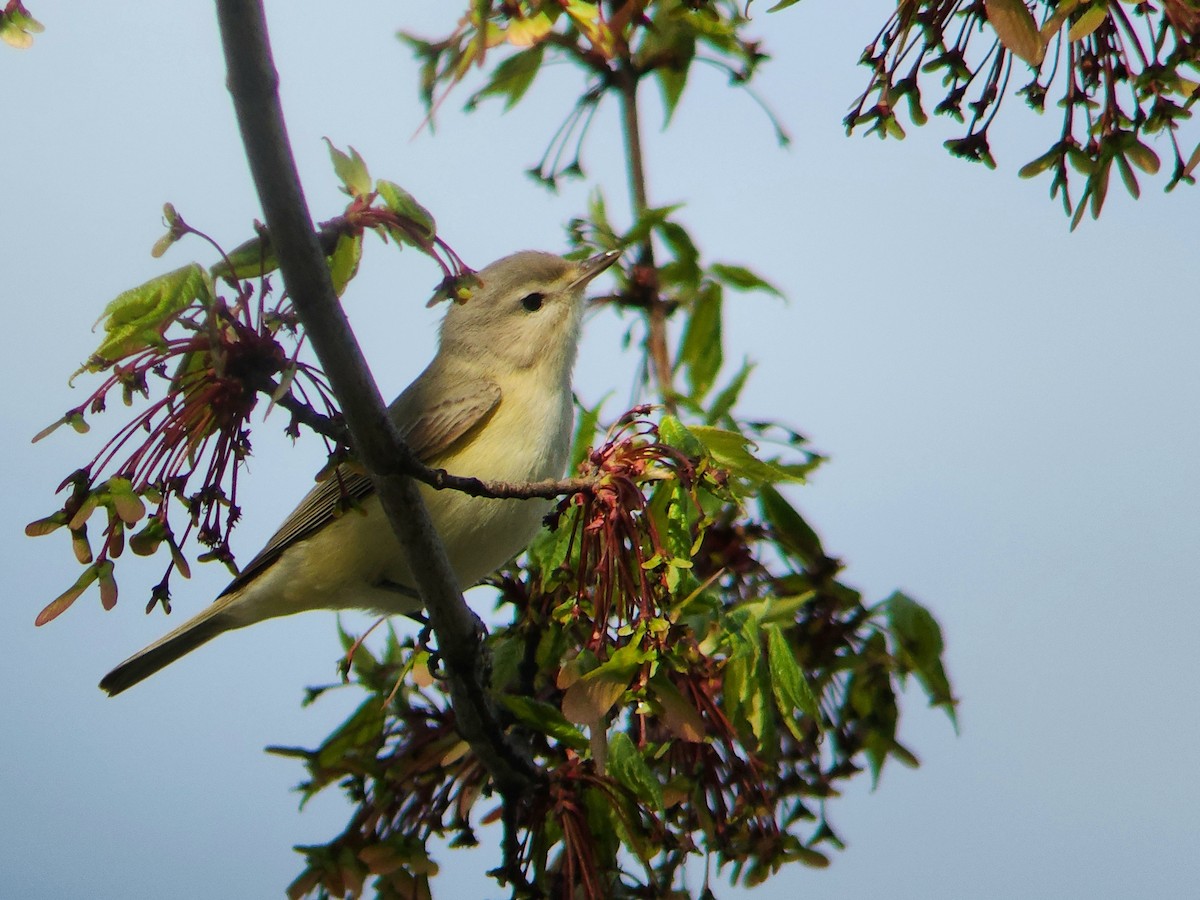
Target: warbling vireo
[495,403]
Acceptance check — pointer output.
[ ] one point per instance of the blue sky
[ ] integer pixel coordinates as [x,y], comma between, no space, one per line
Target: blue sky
[1010,410]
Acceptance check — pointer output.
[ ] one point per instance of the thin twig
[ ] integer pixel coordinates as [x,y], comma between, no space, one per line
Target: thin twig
[656,309]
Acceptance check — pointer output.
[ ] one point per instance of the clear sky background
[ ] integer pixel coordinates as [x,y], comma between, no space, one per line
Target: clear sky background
[1011,412]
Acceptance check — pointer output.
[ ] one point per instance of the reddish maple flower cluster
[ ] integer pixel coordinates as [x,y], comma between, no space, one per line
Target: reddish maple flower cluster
[212,359]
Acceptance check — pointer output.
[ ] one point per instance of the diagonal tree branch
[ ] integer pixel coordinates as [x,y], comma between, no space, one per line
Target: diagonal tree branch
[253,84]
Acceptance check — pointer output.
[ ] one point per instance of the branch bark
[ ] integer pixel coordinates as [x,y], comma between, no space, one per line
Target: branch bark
[253,83]
[657,352]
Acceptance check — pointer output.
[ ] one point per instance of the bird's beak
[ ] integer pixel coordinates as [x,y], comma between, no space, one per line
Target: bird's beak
[590,268]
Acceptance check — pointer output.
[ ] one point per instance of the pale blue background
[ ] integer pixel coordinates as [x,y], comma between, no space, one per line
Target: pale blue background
[1011,412]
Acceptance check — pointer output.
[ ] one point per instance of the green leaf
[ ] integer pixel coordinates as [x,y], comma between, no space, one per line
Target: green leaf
[550,549]
[512,78]
[684,269]
[405,205]
[351,170]
[251,259]
[650,220]
[361,731]
[598,212]
[545,719]
[792,533]
[508,655]
[735,686]
[585,433]
[758,706]
[671,81]
[669,47]
[627,658]
[904,755]
[700,348]
[782,4]
[675,434]
[920,639]
[746,679]
[742,279]
[788,684]
[729,450]
[343,262]
[728,397]
[137,318]
[778,610]
[915,627]
[603,837]
[626,764]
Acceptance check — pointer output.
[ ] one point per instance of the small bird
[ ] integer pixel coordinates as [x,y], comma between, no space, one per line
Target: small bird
[495,403]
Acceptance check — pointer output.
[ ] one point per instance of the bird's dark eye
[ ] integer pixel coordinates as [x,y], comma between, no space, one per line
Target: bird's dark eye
[532,302]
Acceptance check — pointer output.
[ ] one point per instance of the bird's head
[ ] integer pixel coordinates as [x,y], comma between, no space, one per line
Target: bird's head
[526,311]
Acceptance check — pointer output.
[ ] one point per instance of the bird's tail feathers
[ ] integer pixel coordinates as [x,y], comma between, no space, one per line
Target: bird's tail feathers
[199,629]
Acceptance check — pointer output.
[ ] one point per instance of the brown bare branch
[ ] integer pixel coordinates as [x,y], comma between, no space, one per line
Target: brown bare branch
[657,353]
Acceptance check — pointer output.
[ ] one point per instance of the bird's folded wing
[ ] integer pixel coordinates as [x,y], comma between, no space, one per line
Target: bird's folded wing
[430,433]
